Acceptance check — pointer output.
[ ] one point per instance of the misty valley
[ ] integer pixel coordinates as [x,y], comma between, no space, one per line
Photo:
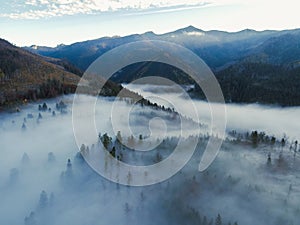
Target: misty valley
[45,179]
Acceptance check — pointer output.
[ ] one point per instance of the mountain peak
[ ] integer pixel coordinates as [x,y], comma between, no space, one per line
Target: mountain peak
[149,33]
[190,29]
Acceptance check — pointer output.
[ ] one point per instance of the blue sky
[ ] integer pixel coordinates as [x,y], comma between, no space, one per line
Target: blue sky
[52,22]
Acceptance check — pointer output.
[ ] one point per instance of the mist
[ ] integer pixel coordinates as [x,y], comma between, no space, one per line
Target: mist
[38,184]
[274,120]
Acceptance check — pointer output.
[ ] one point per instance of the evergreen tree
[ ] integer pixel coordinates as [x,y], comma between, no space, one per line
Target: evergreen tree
[43,202]
[106,140]
[30,220]
[204,222]
[131,141]
[269,159]
[51,157]
[119,137]
[218,220]
[69,168]
[254,138]
[25,159]
[282,143]
[113,152]
[44,107]
[24,126]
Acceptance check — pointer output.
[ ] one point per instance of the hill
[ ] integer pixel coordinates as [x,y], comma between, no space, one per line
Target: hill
[25,76]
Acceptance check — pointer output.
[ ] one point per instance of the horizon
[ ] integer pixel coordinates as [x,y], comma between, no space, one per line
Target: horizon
[51,23]
[122,36]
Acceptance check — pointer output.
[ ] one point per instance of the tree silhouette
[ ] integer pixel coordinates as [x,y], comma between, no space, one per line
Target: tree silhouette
[43,202]
[254,138]
[25,159]
[51,157]
[218,220]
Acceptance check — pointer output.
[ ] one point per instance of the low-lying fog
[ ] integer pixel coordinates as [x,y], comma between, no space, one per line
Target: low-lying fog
[38,186]
[273,120]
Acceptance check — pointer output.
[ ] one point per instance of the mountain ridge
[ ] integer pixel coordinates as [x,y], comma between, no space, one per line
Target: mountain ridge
[226,53]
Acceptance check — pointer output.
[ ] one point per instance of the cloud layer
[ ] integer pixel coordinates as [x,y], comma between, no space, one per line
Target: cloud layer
[36,9]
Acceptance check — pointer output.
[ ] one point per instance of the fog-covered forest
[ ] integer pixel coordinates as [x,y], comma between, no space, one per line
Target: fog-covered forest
[44,178]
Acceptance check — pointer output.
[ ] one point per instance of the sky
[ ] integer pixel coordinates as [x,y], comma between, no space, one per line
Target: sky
[53,22]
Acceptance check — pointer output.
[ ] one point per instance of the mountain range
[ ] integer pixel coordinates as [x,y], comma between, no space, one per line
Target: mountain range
[218,49]
[251,66]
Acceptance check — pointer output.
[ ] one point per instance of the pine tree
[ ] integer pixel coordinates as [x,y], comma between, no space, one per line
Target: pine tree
[25,159]
[51,157]
[254,138]
[119,137]
[218,220]
[43,202]
[106,140]
[269,159]
[69,168]
[204,222]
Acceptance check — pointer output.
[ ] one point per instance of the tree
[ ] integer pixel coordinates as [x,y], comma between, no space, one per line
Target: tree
[113,152]
[273,140]
[269,159]
[24,127]
[282,143]
[158,157]
[254,138]
[25,159]
[84,150]
[30,220]
[106,140]
[218,220]
[204,222]
[44,107]
[43,202]
[69,168]
[131,141]
[51,157]
[119,137]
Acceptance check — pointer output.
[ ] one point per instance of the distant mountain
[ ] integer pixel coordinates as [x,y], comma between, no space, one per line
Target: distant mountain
[217,48]
[264,64]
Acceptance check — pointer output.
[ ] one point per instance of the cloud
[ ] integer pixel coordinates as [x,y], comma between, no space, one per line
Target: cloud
[37,9]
